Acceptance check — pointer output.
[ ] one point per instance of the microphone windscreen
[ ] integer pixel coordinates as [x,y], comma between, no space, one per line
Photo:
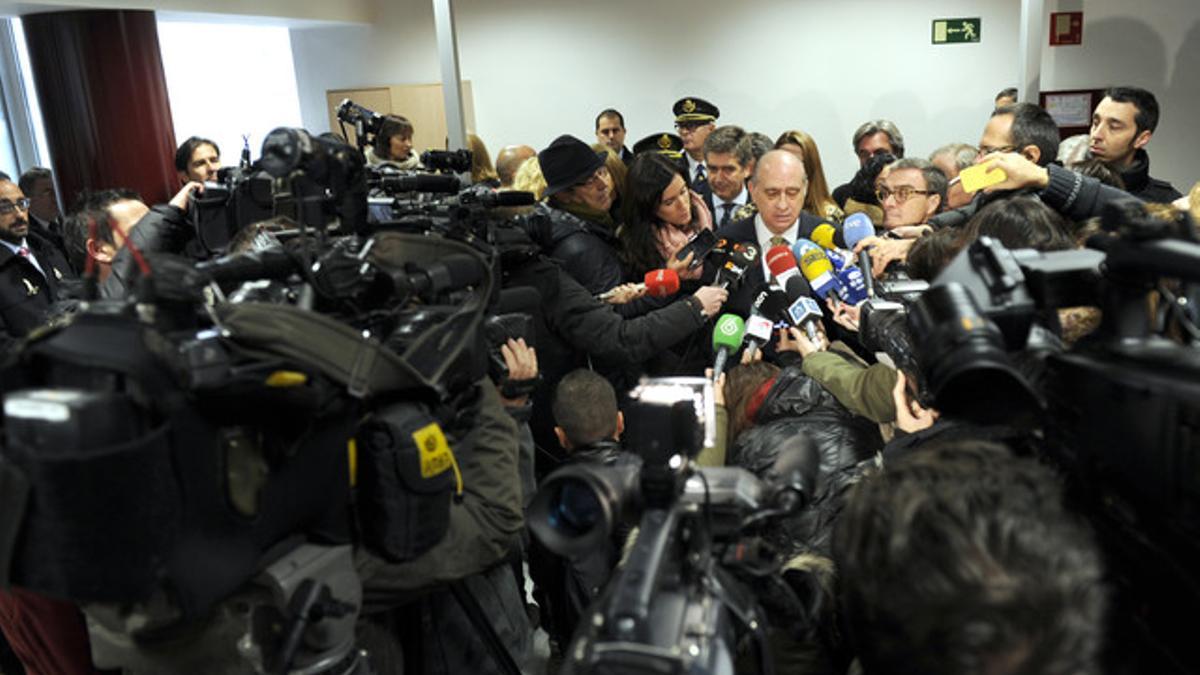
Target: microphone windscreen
[815,263]
[728,332]
[797,287]
[857,226]
[825,236]
[780,260]
[759,328]
[661,283]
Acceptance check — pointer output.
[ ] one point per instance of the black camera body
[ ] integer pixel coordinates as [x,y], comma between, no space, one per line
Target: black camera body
[675,605]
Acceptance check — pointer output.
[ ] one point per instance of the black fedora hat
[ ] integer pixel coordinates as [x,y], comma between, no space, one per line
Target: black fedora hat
[567,162]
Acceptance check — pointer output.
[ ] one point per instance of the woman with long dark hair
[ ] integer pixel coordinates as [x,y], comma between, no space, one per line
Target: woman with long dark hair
[661,214]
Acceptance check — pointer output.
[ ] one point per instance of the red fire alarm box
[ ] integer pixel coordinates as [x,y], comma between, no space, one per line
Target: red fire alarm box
[1066,28]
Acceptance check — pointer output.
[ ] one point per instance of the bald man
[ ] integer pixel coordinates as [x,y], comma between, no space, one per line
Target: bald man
[508,160]
[777,188]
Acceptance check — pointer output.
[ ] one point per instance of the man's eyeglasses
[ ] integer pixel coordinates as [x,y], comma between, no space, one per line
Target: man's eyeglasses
[595,180]
[7,207]
[901,193]
[984,150]
[689,126]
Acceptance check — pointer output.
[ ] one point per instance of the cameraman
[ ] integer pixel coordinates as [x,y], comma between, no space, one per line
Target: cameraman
[394,144]
[126,229]
[197,160]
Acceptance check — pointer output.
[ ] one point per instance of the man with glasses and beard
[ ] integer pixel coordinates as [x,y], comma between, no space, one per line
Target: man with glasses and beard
[911,191]
[31,268]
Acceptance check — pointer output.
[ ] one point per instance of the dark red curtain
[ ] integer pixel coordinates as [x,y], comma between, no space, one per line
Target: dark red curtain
[100,82]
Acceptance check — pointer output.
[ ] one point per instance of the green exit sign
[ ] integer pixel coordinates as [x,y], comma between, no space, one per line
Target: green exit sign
[947,31]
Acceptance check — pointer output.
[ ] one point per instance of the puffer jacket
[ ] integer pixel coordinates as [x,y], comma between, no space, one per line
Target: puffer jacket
[587,251]
[797,404]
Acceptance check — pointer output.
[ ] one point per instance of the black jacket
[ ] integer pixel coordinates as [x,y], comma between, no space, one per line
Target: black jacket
[25,293]
[797,404]
[587,251]
[1075,196]
[1139,183]
[574,328]
[165,229]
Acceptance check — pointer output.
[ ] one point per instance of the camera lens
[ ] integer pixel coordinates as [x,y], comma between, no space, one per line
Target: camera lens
[574,509]
[964,359]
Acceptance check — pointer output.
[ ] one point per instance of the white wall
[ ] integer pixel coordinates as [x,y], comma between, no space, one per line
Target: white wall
[544,67]
[1155,45]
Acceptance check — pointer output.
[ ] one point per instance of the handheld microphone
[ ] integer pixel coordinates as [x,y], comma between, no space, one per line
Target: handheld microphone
[817,269]
[855,228]
[864,263]
[782,264]
[825,236]
[741,257]
[758,332]
[805,313]
[727,337]
[656,283]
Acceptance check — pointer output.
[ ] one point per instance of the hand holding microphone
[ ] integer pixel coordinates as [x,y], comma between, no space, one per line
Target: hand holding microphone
[711,298]
[656,283]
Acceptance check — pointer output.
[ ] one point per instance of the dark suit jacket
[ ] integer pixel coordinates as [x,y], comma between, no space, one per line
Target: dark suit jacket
[25,294]
[702,188]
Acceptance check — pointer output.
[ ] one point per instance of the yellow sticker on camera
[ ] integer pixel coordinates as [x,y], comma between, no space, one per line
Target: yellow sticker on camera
[975,178]
[436,456]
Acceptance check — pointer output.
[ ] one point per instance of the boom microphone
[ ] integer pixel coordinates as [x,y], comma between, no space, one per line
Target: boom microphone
[421,182]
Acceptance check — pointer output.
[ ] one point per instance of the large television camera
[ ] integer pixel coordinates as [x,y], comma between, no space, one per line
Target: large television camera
[684,599]
[194,467]
[1117,411]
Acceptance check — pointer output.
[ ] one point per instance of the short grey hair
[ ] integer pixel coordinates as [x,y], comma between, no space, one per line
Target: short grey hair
[752,147]
[935,181]
[724,139]
[875,126]
[963,154]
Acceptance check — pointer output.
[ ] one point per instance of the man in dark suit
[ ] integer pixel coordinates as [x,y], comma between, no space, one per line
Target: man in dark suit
[610,131]
[31,268]
[778,188]
[695,119]
[726,175]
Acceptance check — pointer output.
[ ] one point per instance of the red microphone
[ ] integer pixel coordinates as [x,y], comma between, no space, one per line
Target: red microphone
[657,283]
[782,264]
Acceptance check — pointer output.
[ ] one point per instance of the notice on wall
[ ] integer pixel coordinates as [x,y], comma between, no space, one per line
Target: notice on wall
[1070,110]
[1066,28]
[949,31]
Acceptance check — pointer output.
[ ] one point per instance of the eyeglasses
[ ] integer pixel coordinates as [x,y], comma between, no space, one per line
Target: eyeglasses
[984,150]
[7,207]
[689,127]
[597,179]
[901,193]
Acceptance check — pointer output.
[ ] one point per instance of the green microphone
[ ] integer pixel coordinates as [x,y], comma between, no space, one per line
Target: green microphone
[727,338]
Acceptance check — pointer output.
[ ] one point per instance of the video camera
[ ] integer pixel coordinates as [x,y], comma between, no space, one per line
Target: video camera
[681,602]
[195,472]
[1116,410]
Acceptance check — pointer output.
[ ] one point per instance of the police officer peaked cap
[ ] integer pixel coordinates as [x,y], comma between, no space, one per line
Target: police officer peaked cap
[662,143]
[692,109]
